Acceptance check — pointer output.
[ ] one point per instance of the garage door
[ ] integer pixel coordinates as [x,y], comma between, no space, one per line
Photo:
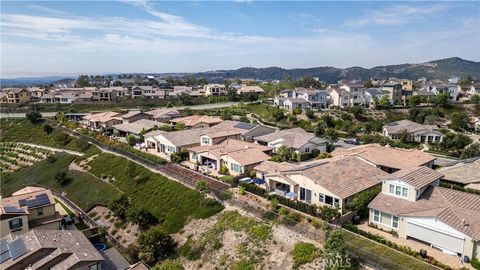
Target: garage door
[436,238]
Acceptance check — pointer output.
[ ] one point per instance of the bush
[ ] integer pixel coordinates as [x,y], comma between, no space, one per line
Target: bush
[224,170]
[203,187]
[303,253]
[475,263]
[255,190]
[169,265]
[155,245]
[303,156]
[34,117]
[62,179]
[175,158]
[47,128]
[142,217]
[324,155]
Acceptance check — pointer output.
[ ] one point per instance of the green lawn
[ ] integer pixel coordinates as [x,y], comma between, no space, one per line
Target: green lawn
[21,130]
[170,201]
[384,256]
[84,189]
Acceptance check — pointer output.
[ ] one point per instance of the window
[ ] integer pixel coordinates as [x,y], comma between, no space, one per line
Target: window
[336,203]
[93,267]
[398,190]
[391,189]
[395,222]
[171,149]
[307,149]
[321,197]
[305,195]
[15,224]
[40,211]
[376,216]
[236,168]
[205,140]
[194,156]
[404,192]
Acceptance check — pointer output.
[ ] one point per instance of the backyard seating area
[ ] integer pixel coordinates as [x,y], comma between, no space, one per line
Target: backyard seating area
[14,156]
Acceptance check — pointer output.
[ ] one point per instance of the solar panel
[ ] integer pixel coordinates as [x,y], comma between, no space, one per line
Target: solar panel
[13,209]
[5,256]
[41,199]
[22,202]
[244,126]
[3,246]
[17,248]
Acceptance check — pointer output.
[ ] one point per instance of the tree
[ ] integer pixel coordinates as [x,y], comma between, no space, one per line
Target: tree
[47,128]
[310,114]
[83,81]
[62,138]
[62,179]
[331,135]
[34,117]
[203,187]
[169,265]
[383,103]
[297,111]
[180,126]
[357,111]
[82,145]
[459,121]
[414,101]
[284,153]
[442,99]
[60,117]
[278,114]
[130,170]
[224,170]
[328,120]
[473,150]
[475,99]
[120,206]
[175,158]
[131,139]
[368,84]
[169,104]
[319,129]
[142,217]
[117,83]
[335,252]
[404,136]
[155,245]
[362,199]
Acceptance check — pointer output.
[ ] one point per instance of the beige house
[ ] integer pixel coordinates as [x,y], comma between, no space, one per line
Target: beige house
[333,182]
[28,208]
[108,93]
[49,249]
[17,95]
[102,121]
[164,114]
[238,156]
[214,89]
[135,115]
[389,159]
[197,121]
[296,139]
[395,90]
[413,205]
[465,174]
[339,97]
[416,132]
[245,89]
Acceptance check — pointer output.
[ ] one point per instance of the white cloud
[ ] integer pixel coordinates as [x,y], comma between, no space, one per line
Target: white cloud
[46,9]
[397,15]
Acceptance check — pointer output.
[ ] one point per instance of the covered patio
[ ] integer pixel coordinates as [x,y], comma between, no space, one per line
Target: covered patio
[283,186]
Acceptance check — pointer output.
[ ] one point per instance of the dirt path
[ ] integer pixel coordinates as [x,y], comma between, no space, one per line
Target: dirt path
[53,149]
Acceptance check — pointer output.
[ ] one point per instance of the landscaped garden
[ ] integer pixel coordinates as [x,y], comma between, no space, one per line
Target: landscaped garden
[14,156]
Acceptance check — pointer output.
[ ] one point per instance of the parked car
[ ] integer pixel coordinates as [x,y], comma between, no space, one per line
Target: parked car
[351,141]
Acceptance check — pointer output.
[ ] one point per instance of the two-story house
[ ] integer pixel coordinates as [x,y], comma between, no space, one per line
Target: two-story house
[303,98]
[17,95]
[395,90]
[214,89]
[357,93]
[28,208]
[149,92]
[415,207]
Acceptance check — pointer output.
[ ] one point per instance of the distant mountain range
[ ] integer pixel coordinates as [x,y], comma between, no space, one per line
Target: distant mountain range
[438,69]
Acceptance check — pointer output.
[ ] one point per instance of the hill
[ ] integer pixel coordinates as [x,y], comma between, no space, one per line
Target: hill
[439,69]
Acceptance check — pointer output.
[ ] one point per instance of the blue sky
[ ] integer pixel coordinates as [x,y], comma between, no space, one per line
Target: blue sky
[96,37]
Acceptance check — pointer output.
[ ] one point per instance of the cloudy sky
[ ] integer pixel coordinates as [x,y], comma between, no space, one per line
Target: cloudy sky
[98,37]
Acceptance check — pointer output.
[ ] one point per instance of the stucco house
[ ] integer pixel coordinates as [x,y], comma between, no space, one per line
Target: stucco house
[372,94]
[416,132]
[197,121]
[415,207]
[389,159]
[164,114]
[395,90]
[102,121]
[333,182]
[465,174]
[29,208]
[303,98]
[134,115]
[214,89]
[296,139]
[238,156]
[17,95]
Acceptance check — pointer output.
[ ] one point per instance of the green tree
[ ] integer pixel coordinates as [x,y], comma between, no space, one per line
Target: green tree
[203,187]
[180,126]
[117,83]
[328,120]
[284,153]
[383,103]
[142,217]
[475,99]
[131,139]
[335,252]
[297,111]
[60,117]
[310,114]
[47,128]
[83,81]
[331,135]
[175,158]
[224,170]
[155,245]
[303,253]
[169,265]
[459,121]
[119,206]
[34,117]
[362,199]
[414,101]
[368,84]
[473,150]
[442,99]
[319,129]
[357,111]
[62,179]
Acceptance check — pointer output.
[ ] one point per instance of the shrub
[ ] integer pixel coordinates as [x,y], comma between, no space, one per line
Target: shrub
[175,158]
[324,155]
[47,128]
[62,179]
[169,265]
[302,156]
[224,170]
[34,117]
[241,190]
[203,187]
[475,263]
[142,217]
[155,245]
[120,206]
[303,253]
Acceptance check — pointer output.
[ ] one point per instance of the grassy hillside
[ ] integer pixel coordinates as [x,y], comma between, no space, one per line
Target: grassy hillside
[83,189]
[170,201]
[21,130]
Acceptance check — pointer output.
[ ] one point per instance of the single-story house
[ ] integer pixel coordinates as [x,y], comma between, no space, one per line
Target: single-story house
[164,114]
[133,116]
[389,159]
[197,121]
[333,182]
[103,120]
[416,132]
[296,139]
[245,89]
[415,207]
[238,156]
[136,128]
[465,174]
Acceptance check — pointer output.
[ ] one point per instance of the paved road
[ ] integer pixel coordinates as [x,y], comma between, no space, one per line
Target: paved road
[194,107]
